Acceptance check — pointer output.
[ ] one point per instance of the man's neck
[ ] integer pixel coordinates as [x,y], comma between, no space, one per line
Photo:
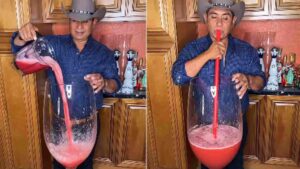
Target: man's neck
[80,44]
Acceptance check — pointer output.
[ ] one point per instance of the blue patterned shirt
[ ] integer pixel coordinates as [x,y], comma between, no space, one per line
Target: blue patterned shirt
[240,58]
[94,58]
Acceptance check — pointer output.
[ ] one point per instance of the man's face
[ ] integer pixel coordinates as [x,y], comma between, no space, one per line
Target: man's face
[80,30]
[219,18]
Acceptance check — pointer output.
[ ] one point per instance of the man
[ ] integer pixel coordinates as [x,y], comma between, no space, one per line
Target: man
[238,59]
[78,54]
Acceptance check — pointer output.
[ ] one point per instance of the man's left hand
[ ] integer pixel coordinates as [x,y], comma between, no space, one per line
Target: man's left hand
[96,80]
[241,83]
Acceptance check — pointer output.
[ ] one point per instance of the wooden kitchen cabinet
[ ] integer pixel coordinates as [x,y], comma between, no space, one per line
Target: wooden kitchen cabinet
[256,9]
[285,8]
[166,132]
[20,137]
[122,139]
[273,137]
[117,10]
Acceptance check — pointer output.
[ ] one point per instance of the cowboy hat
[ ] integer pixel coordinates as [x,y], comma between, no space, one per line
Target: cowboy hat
[238,9]
[83,10]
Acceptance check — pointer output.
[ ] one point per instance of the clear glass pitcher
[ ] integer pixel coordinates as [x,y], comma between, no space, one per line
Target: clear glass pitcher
[69,121]
[214,152]
[36,56]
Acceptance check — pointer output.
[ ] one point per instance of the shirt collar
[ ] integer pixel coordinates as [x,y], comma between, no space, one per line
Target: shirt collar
[87,47]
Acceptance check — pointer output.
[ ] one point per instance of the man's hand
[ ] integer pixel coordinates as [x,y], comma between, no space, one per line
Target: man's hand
[241,83]
[97,81]
[216,50]
[26,33]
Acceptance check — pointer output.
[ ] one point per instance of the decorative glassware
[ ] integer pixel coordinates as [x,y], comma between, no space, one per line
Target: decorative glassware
[213,152]
[128,85]
[272,83]
[69,139]
[124,45]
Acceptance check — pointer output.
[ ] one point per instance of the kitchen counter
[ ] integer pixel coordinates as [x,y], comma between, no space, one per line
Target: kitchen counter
[281,91]
[136,94]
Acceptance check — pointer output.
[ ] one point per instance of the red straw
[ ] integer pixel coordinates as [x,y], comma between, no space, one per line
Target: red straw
[216,101]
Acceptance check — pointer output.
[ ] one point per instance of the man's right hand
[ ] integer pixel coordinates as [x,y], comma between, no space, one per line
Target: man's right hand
[216,50]
[26,33]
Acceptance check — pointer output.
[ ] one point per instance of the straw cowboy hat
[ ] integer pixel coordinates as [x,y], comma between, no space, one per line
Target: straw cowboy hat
[238,9]
[83,10]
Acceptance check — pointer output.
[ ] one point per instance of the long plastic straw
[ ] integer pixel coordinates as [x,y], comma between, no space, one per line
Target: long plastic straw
[217,78]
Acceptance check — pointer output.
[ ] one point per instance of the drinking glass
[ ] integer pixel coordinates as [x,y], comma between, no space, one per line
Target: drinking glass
[214,152]
[69,121]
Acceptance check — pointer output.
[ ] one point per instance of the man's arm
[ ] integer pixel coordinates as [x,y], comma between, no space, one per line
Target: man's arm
[193,66]
[253,77]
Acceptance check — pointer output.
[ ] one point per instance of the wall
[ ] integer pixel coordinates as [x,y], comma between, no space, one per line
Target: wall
[104,30]
[287,33]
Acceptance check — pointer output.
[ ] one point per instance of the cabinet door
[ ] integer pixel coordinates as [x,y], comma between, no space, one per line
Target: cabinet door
[273,133]
[285,8]
[282,145]
[137,9]
[122,139]
[20,133]
[53,13]
[255,9]
[166,136]
[104,153]
[130,136]
[252,150]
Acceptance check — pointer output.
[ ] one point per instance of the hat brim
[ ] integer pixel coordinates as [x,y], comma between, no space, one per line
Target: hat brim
[238,9]
[99,14]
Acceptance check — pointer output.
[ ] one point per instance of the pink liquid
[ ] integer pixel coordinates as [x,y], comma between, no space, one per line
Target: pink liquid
[71,157]
[30,64]
[215,153]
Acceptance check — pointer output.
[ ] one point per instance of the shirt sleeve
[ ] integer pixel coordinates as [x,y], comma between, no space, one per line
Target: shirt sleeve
[179,75]
[110,70]
[254,68]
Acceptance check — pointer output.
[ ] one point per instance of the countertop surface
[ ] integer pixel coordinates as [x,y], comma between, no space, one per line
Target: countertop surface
[285,91]
[135,94]
[280,91]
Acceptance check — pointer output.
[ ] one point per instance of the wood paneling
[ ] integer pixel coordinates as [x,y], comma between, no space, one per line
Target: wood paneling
[117,10]
[256,9]
[284,124]
[8,10]
[5,42]
[105,138]
[165,115]
[273,136]
[252,148]
[20,134]
[137,8]
[132,142]
[282,8]
[122,139]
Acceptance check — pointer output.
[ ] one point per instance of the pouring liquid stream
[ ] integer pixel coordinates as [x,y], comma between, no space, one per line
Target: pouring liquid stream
[28,61]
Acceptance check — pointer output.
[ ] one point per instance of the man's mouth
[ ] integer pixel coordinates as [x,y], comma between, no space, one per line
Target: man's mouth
[79,32]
